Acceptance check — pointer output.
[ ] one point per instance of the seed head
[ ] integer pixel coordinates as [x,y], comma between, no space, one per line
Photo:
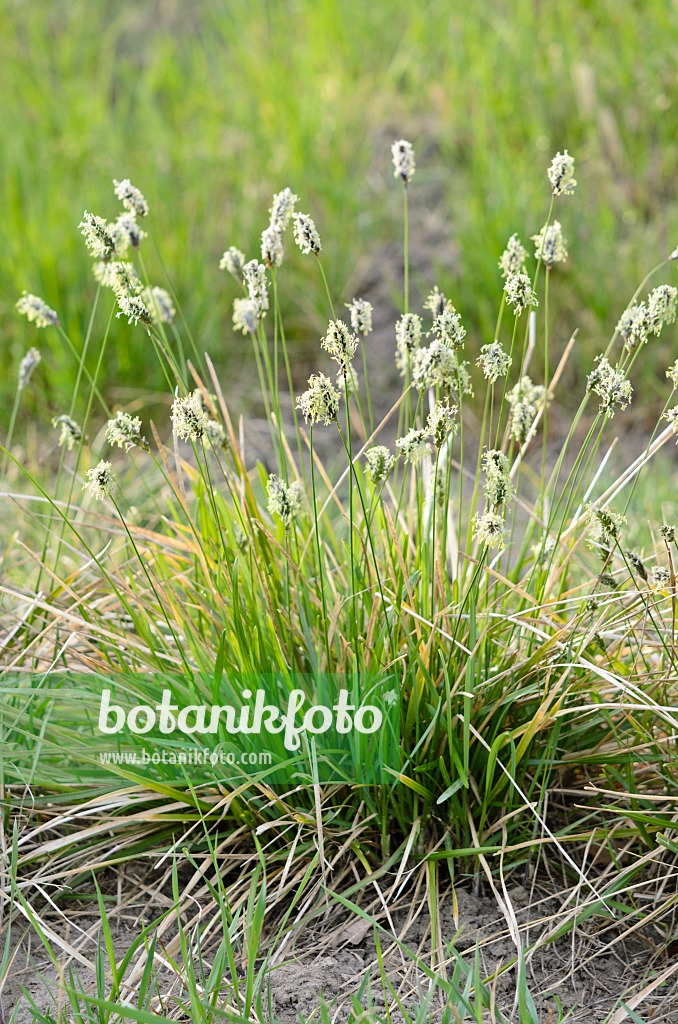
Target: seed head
[661,307]
[283,208]
[130,197]
[489,529]
[672,374]
[233,261]
[69,431]
[448,328]
[513,258]
[519,292]
[636,563]
[320,404]
[126,232]
[305,234]
[668,533]
[437,303]
[413,445]
[380,462]
[245,315]
[215,433]
[254,275]
[494,362]
[408,338]
[119,276]
[671,415]
[551,247]
[284,500]
[134,309]
[272,251]
[100,481]
[441,422]
[190,417]
[561,174]
[37,311]
[403,160]
[661,577]
[438,366]
[125,432]
[603,526]
[159,303]
[26,367]
[634,325]
[99,237]
[340,343]
[361,316]
[610,385]
[498,489]
[525,400]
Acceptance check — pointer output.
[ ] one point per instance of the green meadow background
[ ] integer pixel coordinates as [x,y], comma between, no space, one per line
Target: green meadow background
[209,107]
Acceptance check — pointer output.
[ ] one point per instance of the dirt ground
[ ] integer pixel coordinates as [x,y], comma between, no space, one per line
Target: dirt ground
[588,971]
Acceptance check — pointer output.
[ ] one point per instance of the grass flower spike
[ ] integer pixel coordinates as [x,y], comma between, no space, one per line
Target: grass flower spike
[661,307]
[498,488]
[513,258]
[603,526]
[550,244]
[272,251]
[519,292]
[27,366]
[125,432]
[284,500]
[634,325]
[380,462]
[611,386]
[671,416]
[403,160]
[413,445]
[494,362]
[448,328]
[131,198]
[441,423]
[408,338]
[37,311]
[69,431]
[525,400]
[306,235]
[99,238]
[320,404]
[283,208]
[437,303]
[160,305]
[246,314]
[661,576]
[134,309]
[489,529]
[340,344]
[234,262]
[126,232]
[119,276]
[561,174]
[100,481]
[361,316]
[254,275]
[190,417]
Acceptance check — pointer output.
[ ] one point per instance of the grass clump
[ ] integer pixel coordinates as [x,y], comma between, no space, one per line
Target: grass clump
[474,582]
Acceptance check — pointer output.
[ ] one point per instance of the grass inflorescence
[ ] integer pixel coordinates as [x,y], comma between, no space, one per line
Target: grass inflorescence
[528,649]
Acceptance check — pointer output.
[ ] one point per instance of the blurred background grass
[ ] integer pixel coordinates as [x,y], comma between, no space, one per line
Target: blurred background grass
[210,107]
